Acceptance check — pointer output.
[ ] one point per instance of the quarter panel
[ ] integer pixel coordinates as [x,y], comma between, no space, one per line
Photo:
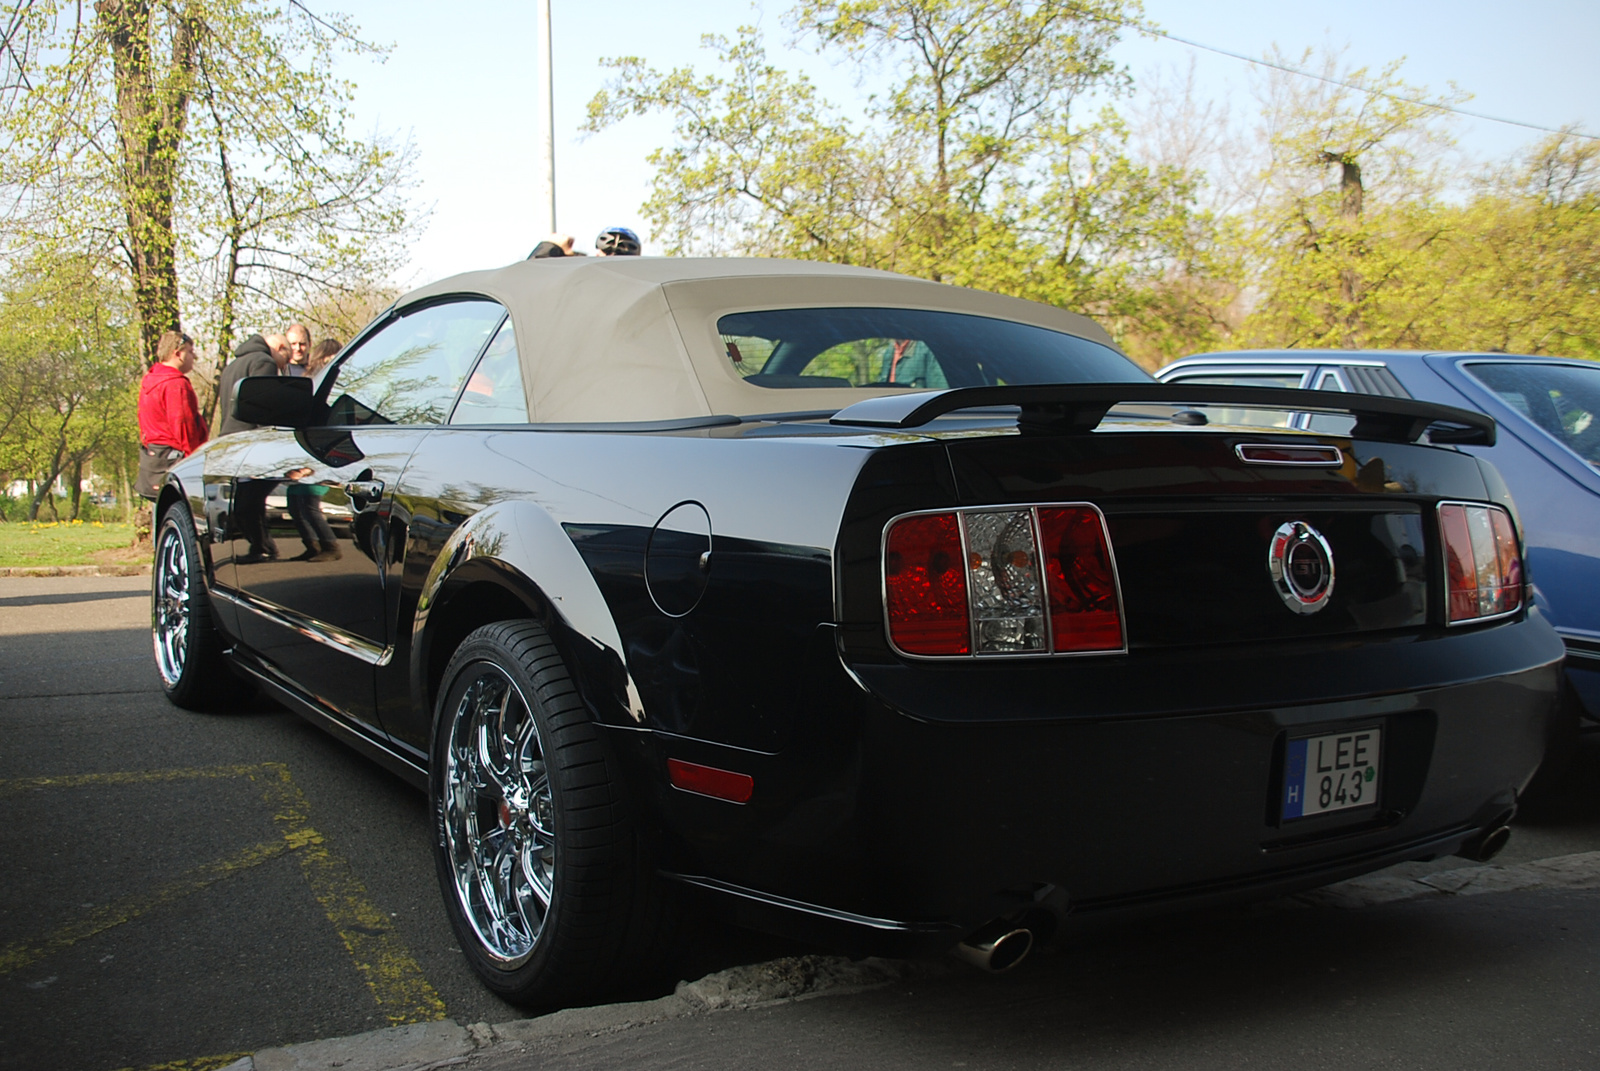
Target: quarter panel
[572,513]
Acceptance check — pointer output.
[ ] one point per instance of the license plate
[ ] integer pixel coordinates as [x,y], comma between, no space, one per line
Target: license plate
[1337,772]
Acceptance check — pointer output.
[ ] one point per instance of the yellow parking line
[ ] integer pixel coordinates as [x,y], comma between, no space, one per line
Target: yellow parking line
[138,777]
[200,1063]
[396,981]
[20,954]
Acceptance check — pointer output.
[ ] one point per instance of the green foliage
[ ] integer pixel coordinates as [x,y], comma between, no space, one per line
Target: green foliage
[1518,267]
[974,169]
[69,373]
[202,144]
[1353,244]
[1341,240]
[980,165]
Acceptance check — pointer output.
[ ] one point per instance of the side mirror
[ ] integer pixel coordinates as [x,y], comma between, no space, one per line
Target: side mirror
[278,401]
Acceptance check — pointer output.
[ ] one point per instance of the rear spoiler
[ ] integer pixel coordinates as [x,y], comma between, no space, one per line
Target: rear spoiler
[1078,408]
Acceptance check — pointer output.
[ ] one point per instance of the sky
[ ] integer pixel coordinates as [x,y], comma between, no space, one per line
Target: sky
[459,82]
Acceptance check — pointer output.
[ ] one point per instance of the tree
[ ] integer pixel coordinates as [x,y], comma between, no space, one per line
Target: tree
[69,345]
[1519,268]
[973,169]
[204,141]
[1342,238]
[984,100]
[762,166]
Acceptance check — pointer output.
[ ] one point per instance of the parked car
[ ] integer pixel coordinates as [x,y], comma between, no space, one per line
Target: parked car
[1548,450]
[845,602]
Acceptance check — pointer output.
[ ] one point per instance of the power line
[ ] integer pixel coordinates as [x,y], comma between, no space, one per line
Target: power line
[1154,32]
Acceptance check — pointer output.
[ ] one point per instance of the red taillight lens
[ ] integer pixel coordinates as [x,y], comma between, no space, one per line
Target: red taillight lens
[1084,613]
[1482,565]
[925,583]
[1017,594]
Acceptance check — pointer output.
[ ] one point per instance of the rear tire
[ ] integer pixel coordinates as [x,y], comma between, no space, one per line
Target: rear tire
[537,852]
[188,645]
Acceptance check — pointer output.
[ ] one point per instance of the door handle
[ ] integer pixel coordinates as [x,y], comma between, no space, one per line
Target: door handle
[364,489]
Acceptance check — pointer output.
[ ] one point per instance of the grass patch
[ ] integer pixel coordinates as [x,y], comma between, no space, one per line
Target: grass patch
[66,543]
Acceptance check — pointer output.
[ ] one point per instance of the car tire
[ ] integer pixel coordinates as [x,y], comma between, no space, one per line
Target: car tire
[538,856]
[188,646]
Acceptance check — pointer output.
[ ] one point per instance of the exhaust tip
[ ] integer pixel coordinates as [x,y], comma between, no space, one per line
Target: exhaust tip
[1487,844]
[997,954]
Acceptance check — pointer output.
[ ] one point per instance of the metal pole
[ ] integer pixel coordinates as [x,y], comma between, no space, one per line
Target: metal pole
[544,163]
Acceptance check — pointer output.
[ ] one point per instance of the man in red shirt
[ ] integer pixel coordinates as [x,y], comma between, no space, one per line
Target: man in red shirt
[170,424]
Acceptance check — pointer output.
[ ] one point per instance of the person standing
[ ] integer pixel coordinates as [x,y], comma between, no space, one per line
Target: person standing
[556,245]
[255,356]
[170,424]
[298,339]
[321,354]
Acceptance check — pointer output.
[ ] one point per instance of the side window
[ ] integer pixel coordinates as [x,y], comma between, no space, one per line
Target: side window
[1564,400]
[493,394]
[411,369]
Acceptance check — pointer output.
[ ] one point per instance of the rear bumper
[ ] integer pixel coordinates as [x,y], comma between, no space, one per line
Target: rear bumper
[904,814]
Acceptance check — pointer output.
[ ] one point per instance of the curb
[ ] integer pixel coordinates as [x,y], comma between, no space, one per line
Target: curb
[430,1046]
[427,1046]
[75,570]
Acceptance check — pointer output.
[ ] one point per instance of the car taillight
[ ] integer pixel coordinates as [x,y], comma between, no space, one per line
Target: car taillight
[925,585]
[1084,612]
[1035,580]
[1482,565]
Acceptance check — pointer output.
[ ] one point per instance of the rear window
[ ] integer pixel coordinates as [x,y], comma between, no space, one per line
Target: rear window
[910,348]
[1564,400]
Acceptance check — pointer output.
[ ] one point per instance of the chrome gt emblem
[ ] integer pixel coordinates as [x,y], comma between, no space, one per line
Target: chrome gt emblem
[1300,563]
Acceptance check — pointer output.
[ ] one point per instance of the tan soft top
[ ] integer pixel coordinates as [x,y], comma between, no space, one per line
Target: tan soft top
[635,338]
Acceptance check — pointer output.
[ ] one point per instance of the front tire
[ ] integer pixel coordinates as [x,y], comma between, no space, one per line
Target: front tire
[188,646]
[537,855]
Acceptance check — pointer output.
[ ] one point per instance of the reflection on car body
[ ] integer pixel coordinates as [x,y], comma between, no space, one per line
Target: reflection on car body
[881,613]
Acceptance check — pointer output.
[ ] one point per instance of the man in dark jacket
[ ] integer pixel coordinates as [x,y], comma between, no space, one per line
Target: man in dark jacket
[255,356]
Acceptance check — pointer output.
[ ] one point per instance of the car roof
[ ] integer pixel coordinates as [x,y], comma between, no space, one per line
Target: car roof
[1355,357]
[634,338]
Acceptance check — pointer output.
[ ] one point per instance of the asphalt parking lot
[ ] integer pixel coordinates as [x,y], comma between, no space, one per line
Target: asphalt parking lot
[183,886]
[184,889]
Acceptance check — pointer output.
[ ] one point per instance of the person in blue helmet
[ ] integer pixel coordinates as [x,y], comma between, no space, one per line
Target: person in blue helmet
[612,242]
[617,242]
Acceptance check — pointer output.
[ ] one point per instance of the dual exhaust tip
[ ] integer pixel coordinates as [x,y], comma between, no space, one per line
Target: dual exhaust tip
[1002,944]
[1486,843]
[997,947]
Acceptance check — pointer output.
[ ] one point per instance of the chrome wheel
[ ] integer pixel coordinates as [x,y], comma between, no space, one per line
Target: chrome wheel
[170,605]
[498,816]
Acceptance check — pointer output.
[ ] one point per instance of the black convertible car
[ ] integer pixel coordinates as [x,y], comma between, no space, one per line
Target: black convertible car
[886,614]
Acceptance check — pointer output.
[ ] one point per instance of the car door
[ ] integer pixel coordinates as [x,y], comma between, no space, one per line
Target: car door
[458,470]
[314,546]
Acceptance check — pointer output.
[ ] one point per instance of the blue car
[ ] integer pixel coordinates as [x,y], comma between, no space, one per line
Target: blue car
[1548,450]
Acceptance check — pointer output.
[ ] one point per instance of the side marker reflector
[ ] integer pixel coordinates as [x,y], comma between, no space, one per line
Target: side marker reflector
[710,781]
